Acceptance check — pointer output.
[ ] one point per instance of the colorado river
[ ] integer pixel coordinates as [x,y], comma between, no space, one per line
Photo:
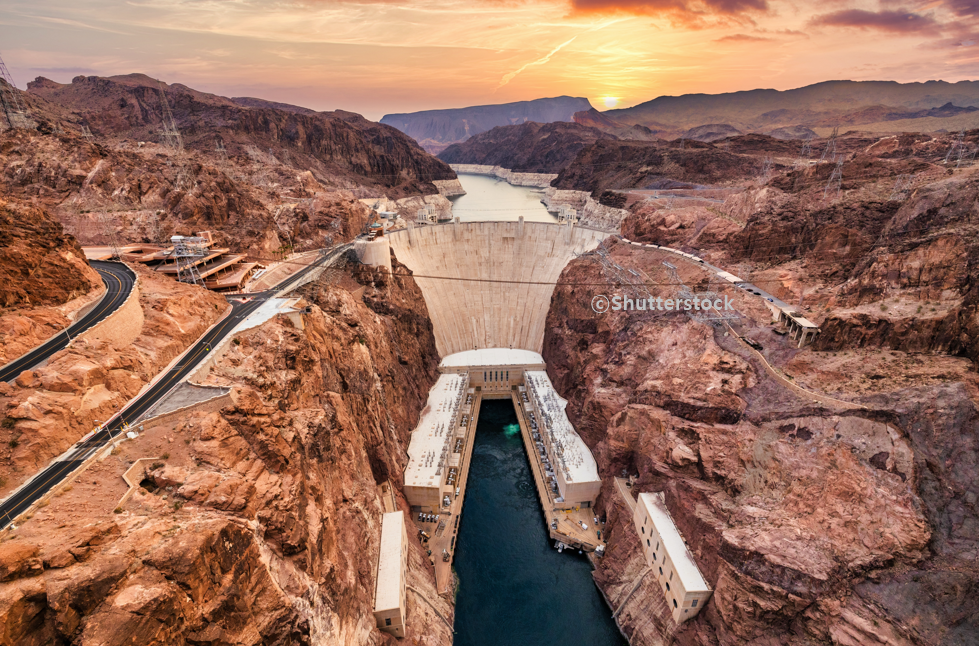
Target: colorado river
[489,198]
[514,587]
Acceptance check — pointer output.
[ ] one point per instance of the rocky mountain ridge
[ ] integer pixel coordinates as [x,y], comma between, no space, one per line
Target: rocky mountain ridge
[436,129]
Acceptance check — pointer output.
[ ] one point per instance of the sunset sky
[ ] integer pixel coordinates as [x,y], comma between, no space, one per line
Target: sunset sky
[378,57]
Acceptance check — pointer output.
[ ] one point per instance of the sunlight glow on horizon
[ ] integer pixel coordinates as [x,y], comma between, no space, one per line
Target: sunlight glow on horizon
[377,58]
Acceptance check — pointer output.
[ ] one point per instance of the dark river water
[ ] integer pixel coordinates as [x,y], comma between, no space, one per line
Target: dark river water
[514,587]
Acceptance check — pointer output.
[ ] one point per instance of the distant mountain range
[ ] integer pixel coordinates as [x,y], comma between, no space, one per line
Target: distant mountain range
[437,129]
[874,106]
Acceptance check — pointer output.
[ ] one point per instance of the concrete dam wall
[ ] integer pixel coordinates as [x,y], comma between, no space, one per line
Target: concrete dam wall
[468,314]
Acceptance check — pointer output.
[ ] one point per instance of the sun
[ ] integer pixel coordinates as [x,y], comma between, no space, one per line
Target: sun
[610,101]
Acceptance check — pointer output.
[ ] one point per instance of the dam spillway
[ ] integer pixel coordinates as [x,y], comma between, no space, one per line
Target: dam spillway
[489,284]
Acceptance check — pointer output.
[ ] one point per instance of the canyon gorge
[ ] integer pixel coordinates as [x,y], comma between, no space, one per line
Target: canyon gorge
[825,491]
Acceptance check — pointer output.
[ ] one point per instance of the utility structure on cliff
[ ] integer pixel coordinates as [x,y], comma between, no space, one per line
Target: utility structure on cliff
[829,153]
[107,229]
[14,112]
[168,131]
[766,170]
[684,293]
[835,184]
[806,152]
[188,252]
[902,187]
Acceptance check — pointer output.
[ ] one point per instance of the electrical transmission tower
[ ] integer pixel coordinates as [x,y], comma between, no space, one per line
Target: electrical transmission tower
[222,152]
[188,251]
[835,184]
[684,293]
[107,229]
[14,111]
[806,152]
[766,169]
[87,133]
[902,188]
[957,144]
[829,154]
[170,134]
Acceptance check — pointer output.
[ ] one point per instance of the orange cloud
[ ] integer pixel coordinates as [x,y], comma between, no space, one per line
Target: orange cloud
[903,22]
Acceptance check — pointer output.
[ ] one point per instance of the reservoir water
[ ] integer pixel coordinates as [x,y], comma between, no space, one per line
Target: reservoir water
[489,198]
[515,589]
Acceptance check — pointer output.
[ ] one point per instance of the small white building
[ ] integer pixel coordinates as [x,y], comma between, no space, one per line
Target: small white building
[392,566]
[567,214]
[683,585]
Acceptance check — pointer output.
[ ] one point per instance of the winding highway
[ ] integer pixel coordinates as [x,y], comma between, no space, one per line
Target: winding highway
[243,305]
[119,281]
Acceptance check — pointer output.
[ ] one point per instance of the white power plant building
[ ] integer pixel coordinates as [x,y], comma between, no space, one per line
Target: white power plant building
[390,592]
[573,469]
[683,585]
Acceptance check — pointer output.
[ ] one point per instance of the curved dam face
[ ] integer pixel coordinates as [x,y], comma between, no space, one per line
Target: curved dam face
[468,309]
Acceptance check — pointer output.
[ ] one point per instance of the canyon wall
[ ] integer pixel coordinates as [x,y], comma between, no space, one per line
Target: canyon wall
[811,524]
[498,278]
[259,523]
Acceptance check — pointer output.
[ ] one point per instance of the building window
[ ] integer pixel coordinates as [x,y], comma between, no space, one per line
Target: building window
[508,375]
[647,545]
[693,604]
[654,557]
[657,544]
[387,622]
[674,603]
[667,587]
[671,575]
[661,571]
[644,531]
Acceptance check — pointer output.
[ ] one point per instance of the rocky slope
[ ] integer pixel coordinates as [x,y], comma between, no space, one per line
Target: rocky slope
[46,410]
[40,265]
[436,129]
[259,523]
[45,281]
[812,523]
[527,148]
[331,145]
[264,178]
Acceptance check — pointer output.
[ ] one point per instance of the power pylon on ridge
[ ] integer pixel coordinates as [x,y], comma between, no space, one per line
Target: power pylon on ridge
[169,132]
[87,133]
[902,188]
[107,229]
[14,112]
[957,143]
[683,293]
[806,152]
[835,184]
[188,251]
[766,169]
[829,153]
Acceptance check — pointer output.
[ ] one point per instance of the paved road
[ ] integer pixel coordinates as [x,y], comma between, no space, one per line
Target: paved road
[745,285]
[119,281]
[57,471]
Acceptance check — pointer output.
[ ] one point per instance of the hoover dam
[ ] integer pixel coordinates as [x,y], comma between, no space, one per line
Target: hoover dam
[489,284]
